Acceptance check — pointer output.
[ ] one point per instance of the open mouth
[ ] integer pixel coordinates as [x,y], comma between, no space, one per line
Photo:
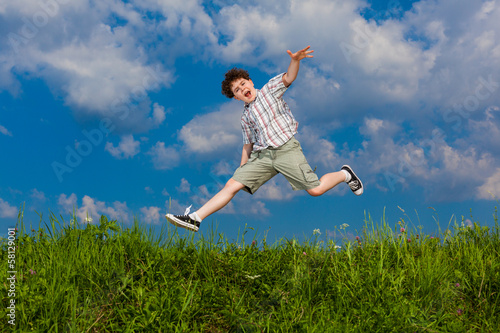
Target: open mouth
[247,94]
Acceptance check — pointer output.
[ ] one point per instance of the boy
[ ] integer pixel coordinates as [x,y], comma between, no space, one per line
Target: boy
[269,146]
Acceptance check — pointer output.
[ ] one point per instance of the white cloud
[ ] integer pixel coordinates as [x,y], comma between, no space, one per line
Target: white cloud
[158,114]
[38,195]
[96,83]
[446,171]
[485,133]
[389,65]
[6,210]
[100,71]
[184,18]
[394,61]
[68,204]
[151,214]
[257,208]
[217,131]
[164,158]
[94,209]
[490,190]
[224,167]
[5,131]
[184,187]
[277,189]
[398,61]
[127,148]
[463,42]
[319,151]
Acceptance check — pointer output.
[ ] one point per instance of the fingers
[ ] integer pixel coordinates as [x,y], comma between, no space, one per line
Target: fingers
[304,53]
[308,52]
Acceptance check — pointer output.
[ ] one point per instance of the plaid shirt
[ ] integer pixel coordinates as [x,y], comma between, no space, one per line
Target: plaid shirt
[267,121]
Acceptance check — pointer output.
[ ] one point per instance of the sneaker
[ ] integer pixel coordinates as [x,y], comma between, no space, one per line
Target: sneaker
[184,221]
[355,183]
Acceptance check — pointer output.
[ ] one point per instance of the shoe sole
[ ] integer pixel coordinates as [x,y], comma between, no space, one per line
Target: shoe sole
[178,223]
[359,191]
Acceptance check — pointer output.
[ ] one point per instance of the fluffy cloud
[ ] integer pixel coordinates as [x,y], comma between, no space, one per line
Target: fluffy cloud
[184,187]
[38,195]
[358,63]
[446,170]
[5,131]
[486,132]
[151,214]
[164,158]
[158,114]
[424,60]
[93,209]
[85,61]
[127,148]
[277,189]
[67,204]
[382,66]
[465,44]
[216,131]
[6,210]
[490,190]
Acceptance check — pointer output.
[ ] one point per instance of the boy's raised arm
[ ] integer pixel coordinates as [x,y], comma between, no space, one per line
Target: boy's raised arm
[293,68]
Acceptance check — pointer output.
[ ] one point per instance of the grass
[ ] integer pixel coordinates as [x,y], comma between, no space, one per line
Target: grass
[107,278]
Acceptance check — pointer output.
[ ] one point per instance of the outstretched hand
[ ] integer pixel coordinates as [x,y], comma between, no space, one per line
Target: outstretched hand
[299,55]
[293,68]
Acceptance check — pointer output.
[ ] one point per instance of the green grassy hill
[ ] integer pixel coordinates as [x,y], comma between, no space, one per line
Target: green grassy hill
[107,278]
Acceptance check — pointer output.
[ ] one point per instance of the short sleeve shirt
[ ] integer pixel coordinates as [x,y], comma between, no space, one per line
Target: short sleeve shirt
[267,121]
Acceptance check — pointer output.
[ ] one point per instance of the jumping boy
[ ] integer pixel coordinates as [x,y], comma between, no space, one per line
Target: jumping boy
[269,145]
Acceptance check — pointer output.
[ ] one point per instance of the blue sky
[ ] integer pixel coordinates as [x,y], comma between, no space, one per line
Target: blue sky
[115,108]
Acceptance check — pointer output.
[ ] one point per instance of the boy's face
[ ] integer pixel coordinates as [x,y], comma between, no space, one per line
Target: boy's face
[243,90]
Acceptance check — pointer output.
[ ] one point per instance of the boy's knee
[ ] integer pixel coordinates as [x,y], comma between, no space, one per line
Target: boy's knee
[315,192]
[234,185]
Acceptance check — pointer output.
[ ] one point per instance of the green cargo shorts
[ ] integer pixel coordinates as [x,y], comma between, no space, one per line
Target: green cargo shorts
[288,160]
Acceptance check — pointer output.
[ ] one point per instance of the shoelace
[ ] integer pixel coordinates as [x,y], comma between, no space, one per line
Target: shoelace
[186,212]
[354,185]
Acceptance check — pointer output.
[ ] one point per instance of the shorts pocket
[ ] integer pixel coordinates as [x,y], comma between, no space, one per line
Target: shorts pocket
[251,159]
[297,145]
[309,174]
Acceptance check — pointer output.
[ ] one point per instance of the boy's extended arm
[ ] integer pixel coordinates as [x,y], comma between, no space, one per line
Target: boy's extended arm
[293,68]
[245,154]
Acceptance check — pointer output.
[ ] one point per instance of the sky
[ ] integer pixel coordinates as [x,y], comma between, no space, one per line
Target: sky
[115,108]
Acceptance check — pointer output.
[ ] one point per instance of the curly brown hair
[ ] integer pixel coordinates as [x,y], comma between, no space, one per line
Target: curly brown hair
[231,76]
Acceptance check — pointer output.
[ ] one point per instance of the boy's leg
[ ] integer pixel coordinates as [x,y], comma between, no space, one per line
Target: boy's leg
[328,181]
[221,199]
[253,174]
[291,162]
[192,221]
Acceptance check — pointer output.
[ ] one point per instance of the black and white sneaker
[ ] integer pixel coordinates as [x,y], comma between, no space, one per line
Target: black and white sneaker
[355,183]
[184,221]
